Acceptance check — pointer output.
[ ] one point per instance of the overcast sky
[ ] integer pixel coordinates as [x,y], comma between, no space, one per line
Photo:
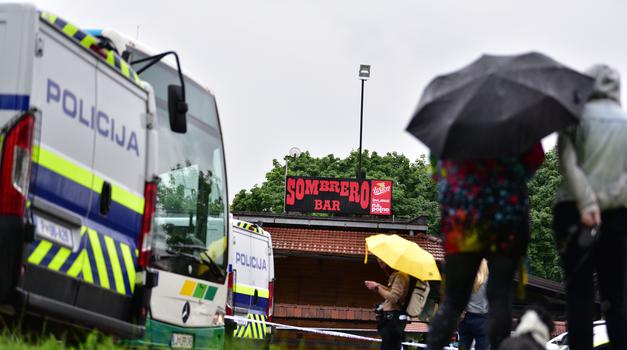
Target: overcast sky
[285,71]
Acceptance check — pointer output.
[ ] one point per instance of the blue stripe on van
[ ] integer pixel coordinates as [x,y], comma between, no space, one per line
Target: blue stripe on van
[76,198]
[60,190]
[246,301]
[119,218]
[14,102]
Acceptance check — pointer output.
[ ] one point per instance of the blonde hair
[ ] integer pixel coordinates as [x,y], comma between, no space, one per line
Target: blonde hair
[482,276]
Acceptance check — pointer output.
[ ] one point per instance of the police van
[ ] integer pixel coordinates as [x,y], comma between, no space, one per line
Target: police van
[77,174]
[250,282]
[89,154]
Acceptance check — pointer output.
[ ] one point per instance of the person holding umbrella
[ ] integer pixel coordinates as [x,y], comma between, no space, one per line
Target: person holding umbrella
[590,217]
[483,124]
[392,319]
[398,257]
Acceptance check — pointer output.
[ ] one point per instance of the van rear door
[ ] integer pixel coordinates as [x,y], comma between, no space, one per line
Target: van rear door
[64,86]
[87,206]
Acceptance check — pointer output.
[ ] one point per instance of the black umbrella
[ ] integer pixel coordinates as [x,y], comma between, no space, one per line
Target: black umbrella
[498,106]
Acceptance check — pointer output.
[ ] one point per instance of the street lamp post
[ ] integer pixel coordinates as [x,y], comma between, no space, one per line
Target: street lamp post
[294,152]
[364,74]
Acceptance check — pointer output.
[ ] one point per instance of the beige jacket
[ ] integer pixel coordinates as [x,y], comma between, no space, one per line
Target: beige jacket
[395,292]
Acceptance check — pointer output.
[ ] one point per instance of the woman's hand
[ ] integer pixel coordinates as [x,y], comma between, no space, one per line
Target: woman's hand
[591,218]
[372,285]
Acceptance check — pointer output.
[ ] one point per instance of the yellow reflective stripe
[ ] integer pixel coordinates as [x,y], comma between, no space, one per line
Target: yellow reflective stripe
[82,263]
[77,266]
[59,258]
[111,58]
[70,29]
[115,264]
[127,199]
[40,252]
[136,79]
[88,41]
[52,18]
[244,289]
[97,184]
[61,166]
[253,325]
[84,177]
[99,257]
[124,68]
[239,332]
[130,265]
[87,274]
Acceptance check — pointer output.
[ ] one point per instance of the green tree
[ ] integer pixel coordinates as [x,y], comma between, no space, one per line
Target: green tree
[413,194]
[543,258]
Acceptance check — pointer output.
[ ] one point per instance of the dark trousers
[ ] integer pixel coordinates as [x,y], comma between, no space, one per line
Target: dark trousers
[473,327]
[461,270]
[392,330]
[607,259]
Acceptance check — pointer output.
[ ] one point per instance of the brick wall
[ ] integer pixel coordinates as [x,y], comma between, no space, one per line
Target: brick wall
[330,282]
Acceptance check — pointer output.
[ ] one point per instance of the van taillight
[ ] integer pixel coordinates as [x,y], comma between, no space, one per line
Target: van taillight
[229,294]
[270,307]
[144,242]
[15,166]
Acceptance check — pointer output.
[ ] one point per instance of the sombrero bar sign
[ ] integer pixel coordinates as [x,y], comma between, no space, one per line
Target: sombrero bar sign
[342,196]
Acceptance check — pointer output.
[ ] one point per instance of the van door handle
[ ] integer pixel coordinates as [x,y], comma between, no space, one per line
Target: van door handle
[105,198]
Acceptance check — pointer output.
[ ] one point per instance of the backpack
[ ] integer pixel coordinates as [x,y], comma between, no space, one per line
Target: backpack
[416,298]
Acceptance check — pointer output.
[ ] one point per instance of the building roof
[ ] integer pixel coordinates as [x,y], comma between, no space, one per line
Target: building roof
[418,224]
[327,241]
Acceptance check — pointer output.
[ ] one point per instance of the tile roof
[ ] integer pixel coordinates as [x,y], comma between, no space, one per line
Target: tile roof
[338,242]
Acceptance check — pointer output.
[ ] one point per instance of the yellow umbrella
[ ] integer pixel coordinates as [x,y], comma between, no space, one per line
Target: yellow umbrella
[403,255]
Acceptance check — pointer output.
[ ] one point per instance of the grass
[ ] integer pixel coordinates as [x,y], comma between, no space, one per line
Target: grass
[14,341]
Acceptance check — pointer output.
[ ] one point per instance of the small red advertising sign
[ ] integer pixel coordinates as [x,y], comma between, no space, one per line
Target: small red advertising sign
[381,198]
[329,195]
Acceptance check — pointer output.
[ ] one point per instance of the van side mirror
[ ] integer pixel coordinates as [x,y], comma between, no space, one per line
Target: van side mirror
[177,108]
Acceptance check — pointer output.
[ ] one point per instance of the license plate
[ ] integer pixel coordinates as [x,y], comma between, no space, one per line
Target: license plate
[53,232]
[182,341]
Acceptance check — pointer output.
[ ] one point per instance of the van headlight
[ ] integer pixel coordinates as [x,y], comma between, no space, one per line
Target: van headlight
[218,318]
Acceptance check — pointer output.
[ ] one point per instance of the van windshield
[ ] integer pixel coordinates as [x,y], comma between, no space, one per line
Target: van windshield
[190,226]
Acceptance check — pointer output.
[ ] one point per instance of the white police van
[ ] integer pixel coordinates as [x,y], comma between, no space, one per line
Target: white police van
[250,282]
[81,178]
[77,174]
